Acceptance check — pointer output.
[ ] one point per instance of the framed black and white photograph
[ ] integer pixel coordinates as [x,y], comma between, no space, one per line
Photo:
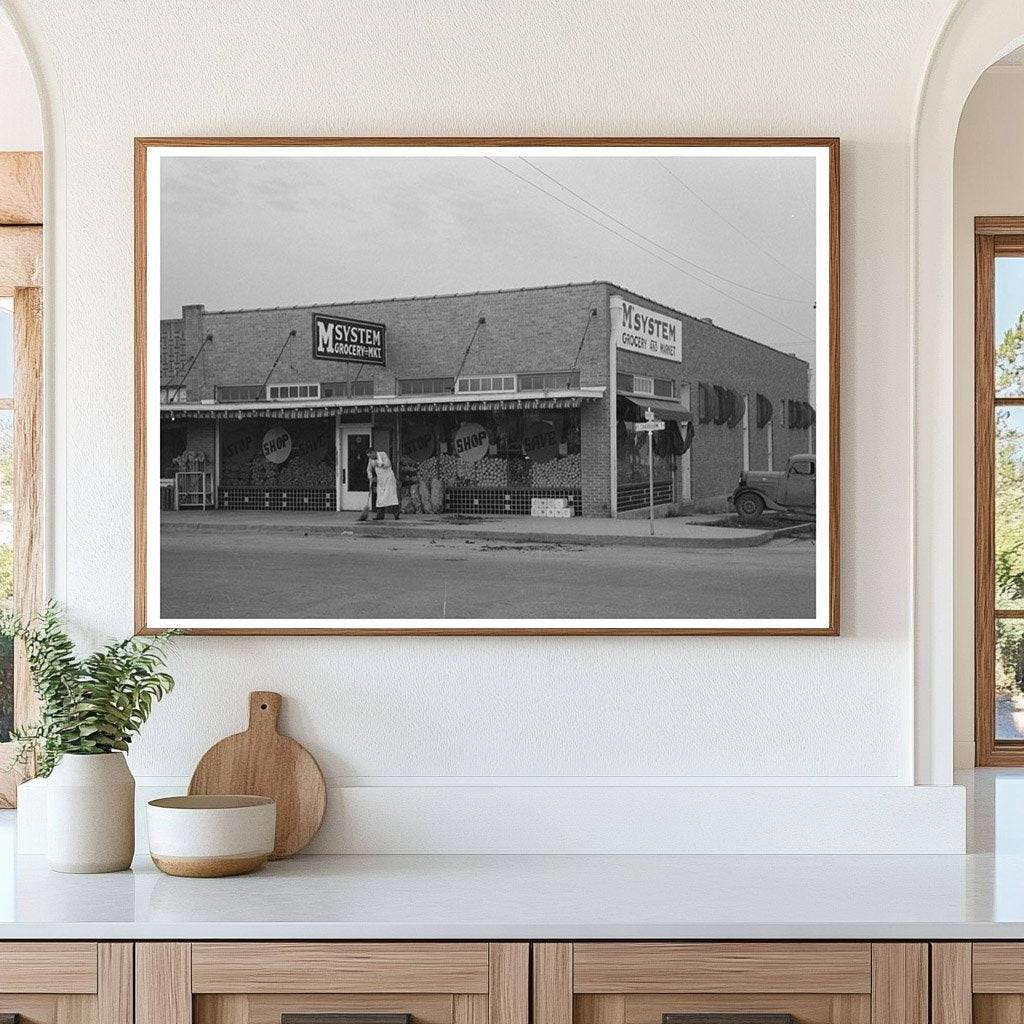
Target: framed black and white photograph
[490,386]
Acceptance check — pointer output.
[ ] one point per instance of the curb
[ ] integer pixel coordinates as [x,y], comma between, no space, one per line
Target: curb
[383,531]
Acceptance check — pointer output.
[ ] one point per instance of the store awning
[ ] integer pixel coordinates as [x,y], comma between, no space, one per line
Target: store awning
[633,410]
[569,398]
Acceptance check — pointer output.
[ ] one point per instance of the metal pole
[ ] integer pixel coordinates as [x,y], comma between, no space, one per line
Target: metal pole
[650,474]
[337,462]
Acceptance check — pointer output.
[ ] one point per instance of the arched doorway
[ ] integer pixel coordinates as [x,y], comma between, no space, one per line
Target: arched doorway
[976,33]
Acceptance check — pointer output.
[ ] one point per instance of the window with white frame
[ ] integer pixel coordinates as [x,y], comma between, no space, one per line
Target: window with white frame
[472,385]
[284,392]
[634,384]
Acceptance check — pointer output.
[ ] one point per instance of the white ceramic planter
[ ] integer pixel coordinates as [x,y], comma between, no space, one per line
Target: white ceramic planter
[90,814]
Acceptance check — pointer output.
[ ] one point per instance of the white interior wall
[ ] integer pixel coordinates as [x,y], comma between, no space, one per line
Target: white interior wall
[987,182]
[21,126]
[432,717]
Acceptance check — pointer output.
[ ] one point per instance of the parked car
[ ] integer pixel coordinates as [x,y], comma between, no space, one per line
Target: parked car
[789,491]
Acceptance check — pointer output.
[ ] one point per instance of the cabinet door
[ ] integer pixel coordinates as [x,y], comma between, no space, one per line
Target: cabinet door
[66,982]
[981,982]
[332,983]
[730,983]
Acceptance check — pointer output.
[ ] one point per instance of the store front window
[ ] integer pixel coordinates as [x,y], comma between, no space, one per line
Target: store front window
[491,461]
[633,476]
[632,459]
[278,463]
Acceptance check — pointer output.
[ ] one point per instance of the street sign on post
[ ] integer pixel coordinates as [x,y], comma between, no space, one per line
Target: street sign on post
[649,426]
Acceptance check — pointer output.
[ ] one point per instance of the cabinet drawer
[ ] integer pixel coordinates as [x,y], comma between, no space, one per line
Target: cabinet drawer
[630,967]
[264,982]
[730,982]
[48,967]
[998,967]
[340,967]
[66,982]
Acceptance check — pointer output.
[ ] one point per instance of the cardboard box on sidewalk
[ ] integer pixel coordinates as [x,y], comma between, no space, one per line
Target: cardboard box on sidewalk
[542,506]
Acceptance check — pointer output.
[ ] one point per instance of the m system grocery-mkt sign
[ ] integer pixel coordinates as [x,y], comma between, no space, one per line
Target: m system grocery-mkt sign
[638,329]
[348,341]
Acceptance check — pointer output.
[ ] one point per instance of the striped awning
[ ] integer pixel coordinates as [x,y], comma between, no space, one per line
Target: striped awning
[299,410]
[633,409]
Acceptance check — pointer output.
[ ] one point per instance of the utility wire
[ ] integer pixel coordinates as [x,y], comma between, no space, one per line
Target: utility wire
[583,341]
[651,252]
[181,383]
[658,245]
[465,355]
[739,231]
[291,334]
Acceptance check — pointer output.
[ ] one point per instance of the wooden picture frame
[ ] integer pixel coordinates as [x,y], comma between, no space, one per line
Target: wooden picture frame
[826,619]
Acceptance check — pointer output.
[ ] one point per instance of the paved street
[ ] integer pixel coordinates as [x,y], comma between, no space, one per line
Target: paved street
[288,575]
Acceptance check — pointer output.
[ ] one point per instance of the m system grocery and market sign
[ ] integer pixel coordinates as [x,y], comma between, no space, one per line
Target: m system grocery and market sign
[638,329]
[348,341]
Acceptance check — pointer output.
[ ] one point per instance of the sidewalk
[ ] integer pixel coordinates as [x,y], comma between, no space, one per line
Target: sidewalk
[680,532]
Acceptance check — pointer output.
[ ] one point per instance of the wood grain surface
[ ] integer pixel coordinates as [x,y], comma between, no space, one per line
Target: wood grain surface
[21,188]
[998,967]
[508,989]
[552,983]
[951,984]
[722,967]
[899,983]
[364,967]
[115,990]
[21,258]
[163,983]
[48,967]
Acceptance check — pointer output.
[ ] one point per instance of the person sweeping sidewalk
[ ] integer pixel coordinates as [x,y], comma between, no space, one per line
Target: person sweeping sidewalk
[371,488]
[387,486]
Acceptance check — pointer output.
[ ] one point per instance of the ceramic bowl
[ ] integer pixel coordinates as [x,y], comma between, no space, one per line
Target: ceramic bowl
[211,836]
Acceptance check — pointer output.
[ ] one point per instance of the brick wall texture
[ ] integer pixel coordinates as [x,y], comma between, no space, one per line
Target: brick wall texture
[528,330]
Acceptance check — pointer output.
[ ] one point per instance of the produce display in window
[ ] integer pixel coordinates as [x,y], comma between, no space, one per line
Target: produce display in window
[491,451]
[277,453]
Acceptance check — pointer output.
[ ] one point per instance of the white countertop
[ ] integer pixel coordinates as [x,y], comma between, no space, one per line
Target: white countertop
[531,897]
[978,896]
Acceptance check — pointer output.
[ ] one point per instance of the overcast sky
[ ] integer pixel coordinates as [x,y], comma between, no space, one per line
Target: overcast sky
[728,238]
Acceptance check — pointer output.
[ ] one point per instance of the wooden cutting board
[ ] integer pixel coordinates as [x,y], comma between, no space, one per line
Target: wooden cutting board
[262,762]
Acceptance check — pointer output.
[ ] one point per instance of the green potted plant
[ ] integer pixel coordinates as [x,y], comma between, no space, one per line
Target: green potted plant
[89,710]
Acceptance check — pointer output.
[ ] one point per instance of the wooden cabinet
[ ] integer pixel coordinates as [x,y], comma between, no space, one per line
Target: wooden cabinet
[66,982]
[493,983]
[651,982]
[979,982]
[261,982]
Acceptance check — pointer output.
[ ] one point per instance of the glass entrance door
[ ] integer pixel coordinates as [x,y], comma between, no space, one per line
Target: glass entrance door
[355,450]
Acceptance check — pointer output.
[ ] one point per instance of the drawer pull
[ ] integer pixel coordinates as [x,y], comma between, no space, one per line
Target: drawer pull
[340,1018]
[728,1018]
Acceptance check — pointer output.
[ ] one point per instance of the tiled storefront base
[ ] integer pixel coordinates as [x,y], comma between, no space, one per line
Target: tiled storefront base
[284,499]
[504,501]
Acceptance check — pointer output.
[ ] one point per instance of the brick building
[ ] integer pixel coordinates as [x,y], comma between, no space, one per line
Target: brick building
[484,401]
